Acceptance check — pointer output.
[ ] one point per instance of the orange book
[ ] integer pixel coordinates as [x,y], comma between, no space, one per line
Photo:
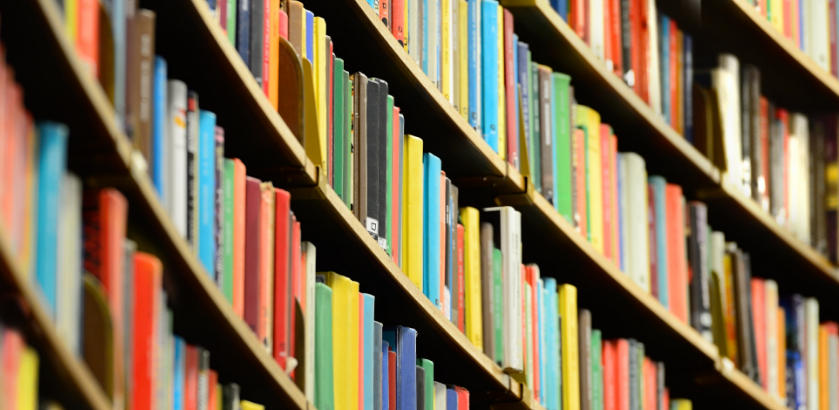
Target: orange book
[759,315]
[676,254]
[12,347]
[147,286]
[622,374]
[191,377]
[534,337]
[272,78]
[610,383]
[266,265]
[782,353]
[283,306]
[761,7]
[87,34]
[239,183]
[650,384]
[580,171]
[105,214]
[212,402]
[607,34]
[577,14]
[826,330]
[616,36]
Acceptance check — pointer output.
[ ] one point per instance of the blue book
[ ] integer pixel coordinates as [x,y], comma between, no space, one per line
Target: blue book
[385,387]
[310,36]
[370,345]
[801,24]
[474,63]
[431,227]
[423,6]
[212,5]
[243,31]
[118,30]
[659,185]
[178,370]
[489,57]
[403,341]
[687,81]
[206,239]
[664,66]
[159,122]
[451,398]
[378,377]
[796,376]
[52,164]
[561,7]
[551,362]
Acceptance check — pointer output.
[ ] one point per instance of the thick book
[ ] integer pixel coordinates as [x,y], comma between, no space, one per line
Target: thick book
[698,244]
[677,274]
[431,228]
[563,175]
[403,340]
[413,258]
[569,347]
[360,153]
[637,235]
[68,315]
[342,302]
[175,147]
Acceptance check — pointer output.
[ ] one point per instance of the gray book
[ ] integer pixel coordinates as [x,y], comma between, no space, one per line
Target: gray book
[634,398]
[487,302]
[420,388]
[584,335]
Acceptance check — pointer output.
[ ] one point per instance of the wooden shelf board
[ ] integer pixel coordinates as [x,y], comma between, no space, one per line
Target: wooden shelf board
[754,392]
[367,46]
[63,374]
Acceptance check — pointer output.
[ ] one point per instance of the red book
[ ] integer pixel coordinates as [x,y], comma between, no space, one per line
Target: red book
[384,12]
[391,377]
[221,12]
[654,290]
[608,202]
[622,374]
[283,307]
[580,154]
[191,378]
[650,385]
[637,22]
[283,29]
[148,282]
[239,210]
[610,399]
[361,351]
[253,249]
[832,24]
[511,90]
[616,34]
[665,399]
[397,21]
[677,277]
[460,279]
[577,16]
[212,403]
[11,350]
[330,114]
[607,34]
[266,48]
[764,153]
[266,268]
[462,398]
[759,315]
[87,34]
[297,268]
[397,177]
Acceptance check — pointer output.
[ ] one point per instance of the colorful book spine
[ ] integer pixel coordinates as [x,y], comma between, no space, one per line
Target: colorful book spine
[206,244]
[431,229]
[160,167]
[490,125]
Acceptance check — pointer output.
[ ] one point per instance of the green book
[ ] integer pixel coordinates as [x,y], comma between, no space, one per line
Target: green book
[348,137]
[324,390]
[389,188]
[226,244]
[563,195]
[338,137]
[596,371]
[497,305]
[428,366]
[231,21]
[535,140]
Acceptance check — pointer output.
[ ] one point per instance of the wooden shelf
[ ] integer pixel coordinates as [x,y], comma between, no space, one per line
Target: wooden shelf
[63,376]
[754,392]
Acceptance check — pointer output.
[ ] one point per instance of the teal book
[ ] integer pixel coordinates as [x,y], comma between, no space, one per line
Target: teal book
[428,366]
[370,346]
[226,246]
[563,174]
[596,371]
[206,240]
[551,362]
[659,187]
[490,72]
[431,228]
[389,175]
[52,164]
[338,137]
[324,391]
[498,303]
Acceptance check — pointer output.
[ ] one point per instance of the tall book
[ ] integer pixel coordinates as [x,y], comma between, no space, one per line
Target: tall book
[569,347]
[412,209]
[470,217]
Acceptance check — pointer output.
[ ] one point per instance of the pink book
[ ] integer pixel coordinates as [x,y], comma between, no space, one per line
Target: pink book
[360,351]
[606,172]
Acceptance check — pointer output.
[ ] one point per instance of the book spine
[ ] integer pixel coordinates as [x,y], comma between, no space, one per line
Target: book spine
[397,20]
[687,86]
[192,130]
[475,63]
[511,92]
[145,59]
[431,265]
[697,254]
[490,72]
[546,133]
[460,278]
[87,35]
[563,174]
[655,289]
[176,146]
[206,191]
[146,288]
[664,65]
[218,216]
[257,39]
[228,247]
[243,30]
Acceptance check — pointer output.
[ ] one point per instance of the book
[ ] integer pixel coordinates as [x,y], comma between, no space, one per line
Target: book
[283,292]
[470,217]
[324,395]
[475,63]
[420,389]
[585,367]
[569,346]
[658,202]
[490,118]
[342,302]
[677,275]
[563,175]
[413,211]
[148,281]
[637,230]
[370,345]
[431,228]
[160,166]
[378,379]
[176,152]
[487,250]
[253,250]
[139,90]
[429,398]
[206,187]
[68,275]
[700,304]
[403,341]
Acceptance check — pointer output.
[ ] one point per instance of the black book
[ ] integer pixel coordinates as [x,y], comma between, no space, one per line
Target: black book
[257,38]
[626,44]
[687,86]
[372,220]
[700,300]
[421,388]
[191,165]
[381,154]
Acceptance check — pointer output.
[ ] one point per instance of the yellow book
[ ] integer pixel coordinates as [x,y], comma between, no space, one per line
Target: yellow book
[463,56]
[321,86]
[412,185]
[274,55]
[246,405]
[502,99]
[590,120]
[681,404]
[27,381]
[472,271]
[569,346]
[353,346]
[824,368]
[446,52]
[341,324]
[219,397]
[312,143]
[71,12]
[405,25]
[776,12]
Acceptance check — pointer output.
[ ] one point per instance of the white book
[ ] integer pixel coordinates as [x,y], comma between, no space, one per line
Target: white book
[596,35]
[433,38]
[771,299]
[811,351]
[624,217]
[440,396]
[513,360]
[638,244]
[817,33]
[653,68]
[726,80]
[413,36]
[176,153]
[309,335]
[798,214]
[69,262]
[833,376]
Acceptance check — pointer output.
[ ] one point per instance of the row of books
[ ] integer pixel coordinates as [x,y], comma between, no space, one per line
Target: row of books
[19,373]
[785,161]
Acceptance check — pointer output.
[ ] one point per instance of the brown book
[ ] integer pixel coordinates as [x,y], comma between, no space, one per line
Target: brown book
[487,248]
[585,360]
[750,102]
[139,100]
[253,240]
[290,103]
[359,121]
[296,23]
